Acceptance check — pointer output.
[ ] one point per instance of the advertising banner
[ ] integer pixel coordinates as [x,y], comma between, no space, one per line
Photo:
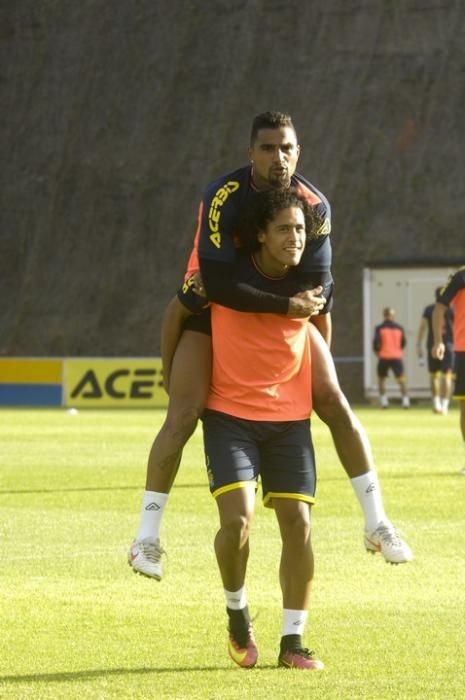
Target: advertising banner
[115,382]
[30,381]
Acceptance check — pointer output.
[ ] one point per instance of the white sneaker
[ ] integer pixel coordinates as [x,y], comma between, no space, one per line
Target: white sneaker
[405,402]
[384,401]
[386,539]
[145,557]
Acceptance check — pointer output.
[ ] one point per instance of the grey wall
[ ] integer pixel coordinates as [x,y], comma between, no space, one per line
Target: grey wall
[117,113]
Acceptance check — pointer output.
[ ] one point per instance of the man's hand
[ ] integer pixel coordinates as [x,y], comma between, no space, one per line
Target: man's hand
[438,351]
[306,303]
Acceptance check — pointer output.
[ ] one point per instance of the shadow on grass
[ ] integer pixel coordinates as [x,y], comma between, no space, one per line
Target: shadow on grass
[7,492]
[88,675]
[341,477]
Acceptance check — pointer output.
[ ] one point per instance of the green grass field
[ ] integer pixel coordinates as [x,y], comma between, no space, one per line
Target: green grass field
[76,622]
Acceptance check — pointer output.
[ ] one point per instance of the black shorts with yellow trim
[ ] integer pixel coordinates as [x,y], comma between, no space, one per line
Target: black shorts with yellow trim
[384,365]
[445,365]
[200,320]
[199,323]
[459,387]
[239,451]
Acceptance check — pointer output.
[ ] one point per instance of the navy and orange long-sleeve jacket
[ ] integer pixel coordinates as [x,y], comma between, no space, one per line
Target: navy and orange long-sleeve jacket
[215,245]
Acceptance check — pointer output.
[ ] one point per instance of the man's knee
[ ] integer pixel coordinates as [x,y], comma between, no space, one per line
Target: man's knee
[295,524]
[182,421]
[331,405]
[236,529]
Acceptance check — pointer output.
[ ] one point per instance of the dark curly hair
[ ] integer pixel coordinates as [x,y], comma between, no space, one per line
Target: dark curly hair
[262,208]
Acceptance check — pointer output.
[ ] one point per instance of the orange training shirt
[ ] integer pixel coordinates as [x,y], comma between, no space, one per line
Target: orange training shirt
[261,366]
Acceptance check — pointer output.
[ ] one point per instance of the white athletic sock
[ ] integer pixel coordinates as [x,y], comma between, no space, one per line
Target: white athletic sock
[368,492]
[153,505]
[445,405]
[294,621]
[236,600]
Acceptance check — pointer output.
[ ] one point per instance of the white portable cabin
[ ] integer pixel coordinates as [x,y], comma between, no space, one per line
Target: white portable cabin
[407,287]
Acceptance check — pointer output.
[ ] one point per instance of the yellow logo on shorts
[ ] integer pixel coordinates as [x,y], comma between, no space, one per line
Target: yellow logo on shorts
[188,284]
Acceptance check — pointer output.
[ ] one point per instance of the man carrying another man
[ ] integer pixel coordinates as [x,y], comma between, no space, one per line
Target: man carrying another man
[256,425]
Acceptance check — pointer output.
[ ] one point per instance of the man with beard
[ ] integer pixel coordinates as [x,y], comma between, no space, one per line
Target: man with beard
[186,350]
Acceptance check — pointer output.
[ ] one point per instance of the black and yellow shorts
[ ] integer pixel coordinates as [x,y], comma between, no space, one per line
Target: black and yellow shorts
[384,365]
[239,451]
[445,365]
[200,323]
[459,388]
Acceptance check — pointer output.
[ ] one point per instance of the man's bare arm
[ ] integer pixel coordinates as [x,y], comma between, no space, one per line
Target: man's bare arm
[438,348]
[421,333]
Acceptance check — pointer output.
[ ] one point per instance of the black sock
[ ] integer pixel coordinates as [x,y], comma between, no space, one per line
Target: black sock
[239,621]
[290,642]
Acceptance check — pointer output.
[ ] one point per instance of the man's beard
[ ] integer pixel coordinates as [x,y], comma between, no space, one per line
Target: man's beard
[278,181]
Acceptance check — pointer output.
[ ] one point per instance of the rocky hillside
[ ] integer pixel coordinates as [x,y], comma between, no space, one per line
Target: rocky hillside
[116,113]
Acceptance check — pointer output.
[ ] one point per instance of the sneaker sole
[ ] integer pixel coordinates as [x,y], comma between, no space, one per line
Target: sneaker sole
[142,573]
[373,549]
[239,657]
[283,664]
[241,665]
[388,561]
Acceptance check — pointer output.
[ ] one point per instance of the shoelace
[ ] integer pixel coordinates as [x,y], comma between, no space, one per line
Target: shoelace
[242,636]
[389,535]
[306,653]
[153,551]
